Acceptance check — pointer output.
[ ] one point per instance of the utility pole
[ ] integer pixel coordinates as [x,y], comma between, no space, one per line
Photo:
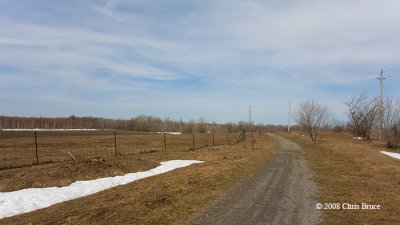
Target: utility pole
[288,127]
[381,78]
[251,133]
[250,117]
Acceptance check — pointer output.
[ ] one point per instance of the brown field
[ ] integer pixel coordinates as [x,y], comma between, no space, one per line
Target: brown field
[354,172]
[171,198]
[17,148]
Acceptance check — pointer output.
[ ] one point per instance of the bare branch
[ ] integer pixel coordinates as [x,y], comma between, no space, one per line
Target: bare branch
[312,117]
[362,115]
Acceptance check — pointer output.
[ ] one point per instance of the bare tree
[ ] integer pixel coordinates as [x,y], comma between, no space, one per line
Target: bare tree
[189,127]
[201,125]
[313,117]
[391,122]
[363,112]
[339,126]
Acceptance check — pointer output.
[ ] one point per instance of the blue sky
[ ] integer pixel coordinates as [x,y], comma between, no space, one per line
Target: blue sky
[193,58]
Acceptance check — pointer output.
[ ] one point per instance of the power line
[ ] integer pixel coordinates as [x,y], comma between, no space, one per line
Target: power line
[391,65]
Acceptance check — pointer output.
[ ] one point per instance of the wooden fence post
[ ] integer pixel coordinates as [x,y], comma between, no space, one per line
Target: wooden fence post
[115,143]
[252,141]
[213,139]
[193,142]
[5,152]
[165,142]
[36,147]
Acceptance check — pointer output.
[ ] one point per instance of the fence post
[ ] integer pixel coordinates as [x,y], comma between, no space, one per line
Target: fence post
[5,153]
[213,139]
[165,142]
[115,143]
[36,151]
[193,142]
[252,141]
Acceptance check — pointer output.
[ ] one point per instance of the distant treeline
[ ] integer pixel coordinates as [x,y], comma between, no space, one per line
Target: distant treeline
[139,123]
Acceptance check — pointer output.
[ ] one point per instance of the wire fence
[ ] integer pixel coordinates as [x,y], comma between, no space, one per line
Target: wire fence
[24,148]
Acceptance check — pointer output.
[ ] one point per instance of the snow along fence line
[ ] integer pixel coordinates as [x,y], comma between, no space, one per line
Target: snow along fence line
[33,147]
[27,200]
[39,129]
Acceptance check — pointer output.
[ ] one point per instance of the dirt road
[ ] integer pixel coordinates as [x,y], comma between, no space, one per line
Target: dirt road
[281,192]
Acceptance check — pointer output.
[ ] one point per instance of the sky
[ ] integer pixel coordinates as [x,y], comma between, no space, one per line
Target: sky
[193,59]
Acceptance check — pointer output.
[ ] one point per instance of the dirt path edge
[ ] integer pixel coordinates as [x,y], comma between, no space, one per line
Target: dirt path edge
[281,192]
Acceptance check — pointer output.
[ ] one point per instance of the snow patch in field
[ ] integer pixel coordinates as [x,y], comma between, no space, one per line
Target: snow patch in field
[27,200]
[175,133]
[38,129]
[391,154]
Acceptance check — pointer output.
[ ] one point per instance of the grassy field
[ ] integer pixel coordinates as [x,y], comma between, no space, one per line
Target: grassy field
[17,148]
[171,198]
[353,172]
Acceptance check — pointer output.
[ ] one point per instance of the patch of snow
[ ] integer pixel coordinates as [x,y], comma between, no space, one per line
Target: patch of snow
[27,200]
[358,138]
[176,133]
[391,154]
[38,129]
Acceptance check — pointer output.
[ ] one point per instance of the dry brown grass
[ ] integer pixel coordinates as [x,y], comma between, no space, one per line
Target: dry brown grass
[17,148]
[171,198]
[355,172]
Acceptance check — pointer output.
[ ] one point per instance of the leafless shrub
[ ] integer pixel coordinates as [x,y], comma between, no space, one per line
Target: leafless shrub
[312,117]
[339,126]
[362,114]
[391,123]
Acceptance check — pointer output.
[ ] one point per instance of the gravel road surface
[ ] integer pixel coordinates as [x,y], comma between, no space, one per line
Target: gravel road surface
[281,192]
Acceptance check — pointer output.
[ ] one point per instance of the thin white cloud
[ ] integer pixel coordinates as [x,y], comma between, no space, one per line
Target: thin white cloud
[27,46]
[243,50]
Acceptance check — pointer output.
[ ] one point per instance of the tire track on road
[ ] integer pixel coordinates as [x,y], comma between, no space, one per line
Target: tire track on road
[281,192]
